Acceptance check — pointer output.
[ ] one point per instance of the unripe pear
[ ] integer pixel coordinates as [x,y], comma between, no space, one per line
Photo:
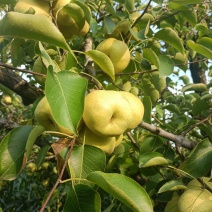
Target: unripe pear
[106,143]
[111,113]
[40,7]
[43,115]
[117,51]
[195,200]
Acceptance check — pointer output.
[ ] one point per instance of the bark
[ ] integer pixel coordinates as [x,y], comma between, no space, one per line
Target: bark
[16,83]
[177,139]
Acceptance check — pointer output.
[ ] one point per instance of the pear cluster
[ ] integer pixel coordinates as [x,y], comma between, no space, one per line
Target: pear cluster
[107,115]
[73,18]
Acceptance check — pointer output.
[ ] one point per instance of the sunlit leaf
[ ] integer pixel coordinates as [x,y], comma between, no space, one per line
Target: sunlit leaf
[187,1]
[206,41]
[124,189]
[194,87]
[169,36]
[12,152]
[82,198]
[198,162]
[207,52]
[172,186]
[103,61]
[151,159]
[28,26]
[65,92]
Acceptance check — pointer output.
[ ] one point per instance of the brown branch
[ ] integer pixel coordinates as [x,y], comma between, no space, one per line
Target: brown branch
[60,176]
[177,139]
[16,83]
[21,70]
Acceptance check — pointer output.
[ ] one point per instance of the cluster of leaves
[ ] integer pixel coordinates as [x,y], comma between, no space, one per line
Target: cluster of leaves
[166,38]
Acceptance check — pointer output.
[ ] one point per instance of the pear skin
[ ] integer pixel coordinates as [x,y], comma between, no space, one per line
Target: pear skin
[111,113]
[117,51]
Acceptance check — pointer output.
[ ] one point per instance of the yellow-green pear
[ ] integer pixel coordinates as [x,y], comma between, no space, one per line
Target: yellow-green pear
[195,200]
[106,143]
[43,115]
[117,51]
[111,113]
[195,184]
[40,7]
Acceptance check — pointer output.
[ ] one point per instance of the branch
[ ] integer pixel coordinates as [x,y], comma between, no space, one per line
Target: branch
[138,19]
[177,139]
[16,83]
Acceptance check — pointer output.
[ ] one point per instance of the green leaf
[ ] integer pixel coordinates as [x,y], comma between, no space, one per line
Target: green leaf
[36,131]
[191,16]
[206,42]
[172,108]
[194,87]
[207,52]
[166,65]
[148,109]
[82,198]
[103,61]
[124,189]
[42,154]
[199,106]
[28,26]
[47,59]
[65,92]
[187,1]
[151,159]
[172,186]
[169,36]
[150,55]
[75,12]
[109,24]
[150,143]
[198,162]
[85,159]
[12,150]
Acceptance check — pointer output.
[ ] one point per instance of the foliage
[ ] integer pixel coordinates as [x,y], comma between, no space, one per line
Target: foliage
[170,45]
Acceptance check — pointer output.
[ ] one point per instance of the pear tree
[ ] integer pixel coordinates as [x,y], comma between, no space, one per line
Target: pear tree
[105,105]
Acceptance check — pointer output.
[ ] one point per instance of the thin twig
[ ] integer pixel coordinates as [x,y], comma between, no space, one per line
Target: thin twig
[60,175]
[138,19]
[21,70]
[195,125]
[133,141]
[177,139]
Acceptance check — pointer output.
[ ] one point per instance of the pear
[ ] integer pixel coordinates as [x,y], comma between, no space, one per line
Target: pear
[117,51]
[66,22]
[43,115]
[111,113]
[195,200]
[40,7]
[106,143]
